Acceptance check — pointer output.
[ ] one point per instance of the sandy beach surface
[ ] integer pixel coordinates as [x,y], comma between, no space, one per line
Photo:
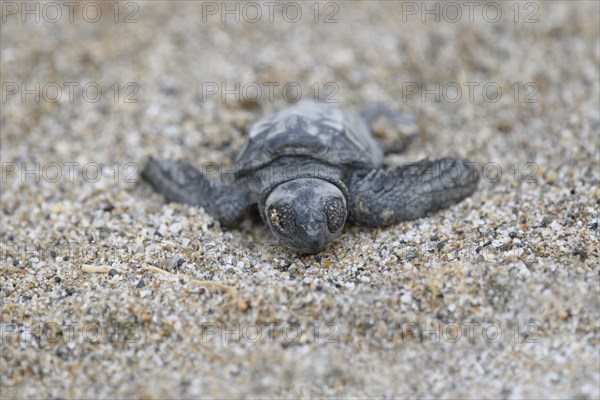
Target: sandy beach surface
[100,283]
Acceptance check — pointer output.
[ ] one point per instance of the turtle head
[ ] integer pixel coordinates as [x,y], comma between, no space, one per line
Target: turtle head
[306,213]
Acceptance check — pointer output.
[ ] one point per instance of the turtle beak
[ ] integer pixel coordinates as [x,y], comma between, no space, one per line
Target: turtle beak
[315,244]
[313,231]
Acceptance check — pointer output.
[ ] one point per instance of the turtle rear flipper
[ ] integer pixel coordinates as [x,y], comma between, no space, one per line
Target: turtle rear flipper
[404,124]
[383,197]
[180,182]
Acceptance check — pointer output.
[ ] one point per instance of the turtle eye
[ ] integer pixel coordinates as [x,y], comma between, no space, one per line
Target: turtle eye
[282,217]
[335,211]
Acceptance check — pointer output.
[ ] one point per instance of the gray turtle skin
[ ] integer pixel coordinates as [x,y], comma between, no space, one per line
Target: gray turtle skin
[310,167]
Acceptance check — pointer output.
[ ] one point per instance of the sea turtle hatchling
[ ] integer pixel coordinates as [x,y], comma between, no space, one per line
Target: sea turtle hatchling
[309,167]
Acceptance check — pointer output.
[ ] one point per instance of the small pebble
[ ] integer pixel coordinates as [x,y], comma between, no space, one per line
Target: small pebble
[406,298]
[170,263]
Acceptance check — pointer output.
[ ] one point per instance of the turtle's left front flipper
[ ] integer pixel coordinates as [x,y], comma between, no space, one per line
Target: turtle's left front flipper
[384,197]
[182,183]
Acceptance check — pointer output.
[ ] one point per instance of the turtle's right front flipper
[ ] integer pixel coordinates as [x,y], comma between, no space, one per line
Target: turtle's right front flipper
[182,183]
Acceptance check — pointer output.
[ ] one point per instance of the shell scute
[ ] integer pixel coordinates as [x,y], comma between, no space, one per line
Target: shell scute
[315,130]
